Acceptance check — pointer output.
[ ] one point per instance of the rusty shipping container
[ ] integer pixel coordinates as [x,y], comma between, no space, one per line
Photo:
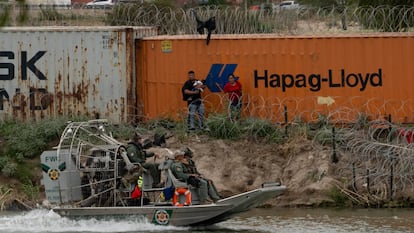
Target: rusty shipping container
[51,71]
[363,73]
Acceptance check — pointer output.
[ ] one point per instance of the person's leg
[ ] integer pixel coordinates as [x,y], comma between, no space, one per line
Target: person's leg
[212,191]
[191,115]
[201,116]
[155,173]
[235,111]
[203,190]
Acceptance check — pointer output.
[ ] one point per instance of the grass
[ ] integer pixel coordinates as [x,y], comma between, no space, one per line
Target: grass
[5,195]
[339,198]
[31,190]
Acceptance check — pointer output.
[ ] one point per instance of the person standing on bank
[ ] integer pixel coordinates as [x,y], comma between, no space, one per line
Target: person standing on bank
[138,155]
[192,94]
[234,90]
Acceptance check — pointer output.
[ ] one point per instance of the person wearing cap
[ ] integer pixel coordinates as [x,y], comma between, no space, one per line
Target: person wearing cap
[138,155]
[191,167]
[181,173]
[192,90]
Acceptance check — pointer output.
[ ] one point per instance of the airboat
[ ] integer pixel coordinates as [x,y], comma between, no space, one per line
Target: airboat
[83,175]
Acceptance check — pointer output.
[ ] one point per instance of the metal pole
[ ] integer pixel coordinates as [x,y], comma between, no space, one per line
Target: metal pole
[391,180]
[286,120]
[334,157]
[354,178]
[368,184]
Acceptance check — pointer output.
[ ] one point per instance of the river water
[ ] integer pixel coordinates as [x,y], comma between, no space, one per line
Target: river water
[256,220]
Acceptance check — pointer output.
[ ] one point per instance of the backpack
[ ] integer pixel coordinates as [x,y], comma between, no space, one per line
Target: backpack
[185,96]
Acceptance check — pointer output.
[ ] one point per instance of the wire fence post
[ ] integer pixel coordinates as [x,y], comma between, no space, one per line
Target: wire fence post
[368,184]
[391,180]
[391,161]
[286,120]
[354,178]
[334,157]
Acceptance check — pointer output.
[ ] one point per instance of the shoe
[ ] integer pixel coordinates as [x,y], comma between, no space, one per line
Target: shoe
[215,200]
[191,129]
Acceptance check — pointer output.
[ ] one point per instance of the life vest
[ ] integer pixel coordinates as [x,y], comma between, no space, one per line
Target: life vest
[176,197]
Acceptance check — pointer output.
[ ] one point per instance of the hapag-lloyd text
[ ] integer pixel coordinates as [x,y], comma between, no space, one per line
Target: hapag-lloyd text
[315,81]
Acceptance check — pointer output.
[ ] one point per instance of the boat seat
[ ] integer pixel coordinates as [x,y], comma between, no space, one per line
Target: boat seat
[166,164]
[176,182]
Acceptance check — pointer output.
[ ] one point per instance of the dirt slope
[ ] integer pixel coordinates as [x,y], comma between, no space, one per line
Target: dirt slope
[244,165]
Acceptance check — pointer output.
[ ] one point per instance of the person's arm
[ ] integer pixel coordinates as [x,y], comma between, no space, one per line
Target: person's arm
[189,92]
[187,89]
[148,154]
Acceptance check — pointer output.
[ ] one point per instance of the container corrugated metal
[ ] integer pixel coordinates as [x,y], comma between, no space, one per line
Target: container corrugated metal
[51,71]
[362,67]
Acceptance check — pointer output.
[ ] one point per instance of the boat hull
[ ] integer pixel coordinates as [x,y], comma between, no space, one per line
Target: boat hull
[194,215]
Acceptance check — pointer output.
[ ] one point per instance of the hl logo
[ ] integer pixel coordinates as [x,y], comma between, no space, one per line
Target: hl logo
[217,76]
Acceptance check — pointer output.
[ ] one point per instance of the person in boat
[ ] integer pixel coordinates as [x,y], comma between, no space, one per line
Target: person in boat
[191,167]
[181,172]
[138,155]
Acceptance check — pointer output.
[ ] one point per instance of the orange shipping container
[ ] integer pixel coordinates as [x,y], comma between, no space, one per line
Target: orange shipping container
[370,74]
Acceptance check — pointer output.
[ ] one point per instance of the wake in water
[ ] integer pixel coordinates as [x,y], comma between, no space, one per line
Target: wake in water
[41,220]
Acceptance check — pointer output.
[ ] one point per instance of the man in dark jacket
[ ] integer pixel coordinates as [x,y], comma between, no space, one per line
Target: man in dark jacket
[137,154]
[192,94]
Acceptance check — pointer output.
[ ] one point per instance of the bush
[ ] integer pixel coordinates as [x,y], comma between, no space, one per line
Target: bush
[9,169]
[222,127]
[31,138]
[338,197]
[31,191]
[262,129]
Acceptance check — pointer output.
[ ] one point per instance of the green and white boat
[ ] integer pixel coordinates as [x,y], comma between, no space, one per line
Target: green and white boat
[82,178]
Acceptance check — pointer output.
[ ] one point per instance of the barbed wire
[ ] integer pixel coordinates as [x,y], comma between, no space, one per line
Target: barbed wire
[229,19]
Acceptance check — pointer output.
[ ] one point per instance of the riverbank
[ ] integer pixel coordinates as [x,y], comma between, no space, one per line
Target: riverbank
[305,167]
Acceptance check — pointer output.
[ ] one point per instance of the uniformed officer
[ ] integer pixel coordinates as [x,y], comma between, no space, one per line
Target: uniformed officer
[180,172]
[191,167]
[137,154]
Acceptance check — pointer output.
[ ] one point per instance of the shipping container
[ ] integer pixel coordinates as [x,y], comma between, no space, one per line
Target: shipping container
[51,71]
[300,76]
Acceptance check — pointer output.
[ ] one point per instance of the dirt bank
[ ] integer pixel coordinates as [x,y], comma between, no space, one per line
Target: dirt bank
[238,166]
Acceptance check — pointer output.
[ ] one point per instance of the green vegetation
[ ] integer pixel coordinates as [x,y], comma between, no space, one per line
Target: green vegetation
[31,191]
[339,198]
[24,141]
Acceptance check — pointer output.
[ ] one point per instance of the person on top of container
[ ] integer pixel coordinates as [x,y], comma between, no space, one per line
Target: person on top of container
[234,90]
[192,94]
[138,155]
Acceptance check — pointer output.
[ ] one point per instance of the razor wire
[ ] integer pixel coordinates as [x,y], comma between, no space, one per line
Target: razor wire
[380,159]
[229,19]
[374,137]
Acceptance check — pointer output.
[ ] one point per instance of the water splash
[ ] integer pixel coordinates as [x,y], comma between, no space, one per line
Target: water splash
[41,220]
